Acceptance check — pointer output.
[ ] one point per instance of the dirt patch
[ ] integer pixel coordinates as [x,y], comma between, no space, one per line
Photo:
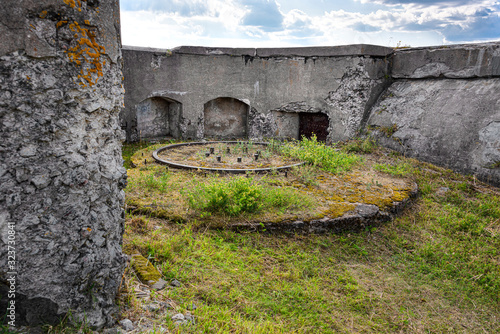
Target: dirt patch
[241,155]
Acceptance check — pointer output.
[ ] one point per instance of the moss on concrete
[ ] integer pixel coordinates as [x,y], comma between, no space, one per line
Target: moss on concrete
[334,195]
[144,269]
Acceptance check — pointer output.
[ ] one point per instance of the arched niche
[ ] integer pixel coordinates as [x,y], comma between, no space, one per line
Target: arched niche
[158,117]
[225,118]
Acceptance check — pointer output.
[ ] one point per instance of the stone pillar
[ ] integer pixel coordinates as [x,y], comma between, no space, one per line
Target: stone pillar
[61,173]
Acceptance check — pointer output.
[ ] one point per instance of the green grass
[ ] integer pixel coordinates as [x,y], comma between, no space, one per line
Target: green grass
[366,145]
[158,181]
[434,269]
[128,150]
[396,169]
[242,194]
[318,154]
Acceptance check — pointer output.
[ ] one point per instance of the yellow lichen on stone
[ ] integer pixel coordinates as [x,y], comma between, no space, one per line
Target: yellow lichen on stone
[363,187]
[338,209]
[70,3]
[400,196]
[73,4]
[86,50]
[144,269]
[61,23]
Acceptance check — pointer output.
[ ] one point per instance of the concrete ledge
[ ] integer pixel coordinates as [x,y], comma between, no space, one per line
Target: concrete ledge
[144,49]
[327,51]
[453,62]
[216,51]
[317,51]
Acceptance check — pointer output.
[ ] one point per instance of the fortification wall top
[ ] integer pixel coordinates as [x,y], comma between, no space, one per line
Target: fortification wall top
[317,51]
[454,62]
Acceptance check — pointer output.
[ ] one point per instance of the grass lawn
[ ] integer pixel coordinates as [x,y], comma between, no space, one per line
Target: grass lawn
[433,269]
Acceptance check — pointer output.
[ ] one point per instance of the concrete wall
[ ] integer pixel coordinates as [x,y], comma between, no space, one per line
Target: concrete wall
[225,118]
[157,118]
[443,101]
[289,80]
[445,106]
[61,174]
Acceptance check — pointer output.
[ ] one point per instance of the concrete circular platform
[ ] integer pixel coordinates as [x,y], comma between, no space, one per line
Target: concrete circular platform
[220,170]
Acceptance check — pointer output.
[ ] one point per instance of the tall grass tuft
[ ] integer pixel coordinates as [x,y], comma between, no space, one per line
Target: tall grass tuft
[319,154]
[153,182]
[239,195]
[397,169]
[242,195]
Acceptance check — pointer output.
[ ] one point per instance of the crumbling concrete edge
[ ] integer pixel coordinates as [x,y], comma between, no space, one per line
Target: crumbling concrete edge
[314,51]
[362,217]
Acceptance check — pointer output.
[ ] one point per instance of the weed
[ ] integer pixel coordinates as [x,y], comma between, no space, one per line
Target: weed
[373,183]
[400,45]
[367,145]
[69,324]
[494,165]
[398,169]
[388,130]
[306,174]
[157,182]
[4,328]
[319,154]
[382,109]
[239,195]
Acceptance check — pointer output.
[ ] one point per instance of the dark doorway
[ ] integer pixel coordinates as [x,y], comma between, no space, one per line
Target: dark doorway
[316,123]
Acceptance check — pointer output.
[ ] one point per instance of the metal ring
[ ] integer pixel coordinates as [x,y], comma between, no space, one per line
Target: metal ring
[221,170]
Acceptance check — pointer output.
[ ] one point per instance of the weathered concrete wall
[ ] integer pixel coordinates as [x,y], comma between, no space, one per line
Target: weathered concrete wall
[153,119]
[61,174]
[445,108]
[267,80]
[443,100]
[225,118]
[453,62]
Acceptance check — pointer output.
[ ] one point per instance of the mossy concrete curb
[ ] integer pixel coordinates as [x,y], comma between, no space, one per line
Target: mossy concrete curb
[146,272]
[363,216]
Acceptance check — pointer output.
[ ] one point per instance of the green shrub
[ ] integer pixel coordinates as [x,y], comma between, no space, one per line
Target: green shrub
[243,195]
[237,196]
[366,145]
[319,154]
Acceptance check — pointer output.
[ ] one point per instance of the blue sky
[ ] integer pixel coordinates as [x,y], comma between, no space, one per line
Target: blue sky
[286,23]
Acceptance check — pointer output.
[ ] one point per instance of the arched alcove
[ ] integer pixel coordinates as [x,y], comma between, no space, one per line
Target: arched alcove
[226,118]
[158,117]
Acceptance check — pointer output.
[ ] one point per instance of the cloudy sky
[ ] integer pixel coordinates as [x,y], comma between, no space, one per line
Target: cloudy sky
[283,23]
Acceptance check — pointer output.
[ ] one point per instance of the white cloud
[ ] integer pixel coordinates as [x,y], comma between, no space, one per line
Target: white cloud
[262,23]
[264,14]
